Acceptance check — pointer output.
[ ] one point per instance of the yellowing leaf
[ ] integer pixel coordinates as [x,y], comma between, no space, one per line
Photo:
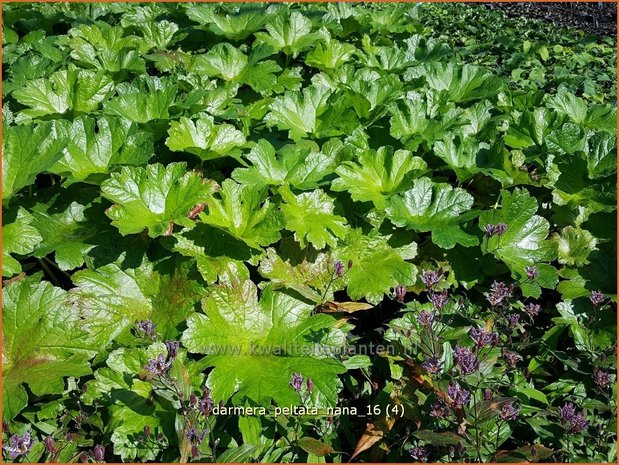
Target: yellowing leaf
[344,307]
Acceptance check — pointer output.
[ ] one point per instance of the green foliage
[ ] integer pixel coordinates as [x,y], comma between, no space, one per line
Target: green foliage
[28,150]
[42,342]
[266,340]
[290,35]
[96,146]
[18,237]
[245,213]
[300,165]
[203,138]
[378,175]
[377,266]
[524,242]
[155,197]
[310,216]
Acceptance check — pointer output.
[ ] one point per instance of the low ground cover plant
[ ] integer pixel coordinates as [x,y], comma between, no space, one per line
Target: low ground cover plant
[305,233]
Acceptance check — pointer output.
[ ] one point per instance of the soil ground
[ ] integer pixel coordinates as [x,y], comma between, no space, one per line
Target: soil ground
[595,17]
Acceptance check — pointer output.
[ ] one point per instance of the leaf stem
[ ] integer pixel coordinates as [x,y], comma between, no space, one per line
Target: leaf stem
[55,265]
[496,205]
[475,417]
[49,273]
[324,294]
[498,433]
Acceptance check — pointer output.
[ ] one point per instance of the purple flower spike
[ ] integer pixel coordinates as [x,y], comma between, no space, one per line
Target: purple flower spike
[50,444]
[339,268]
[432,365]
[532,309]
[146,328]
[490,228]
[158,366]
[19,445]
[511,358]
[499,293]
[532,272]
[573,422]
[466,359]
[195,437]
[484,338]
[514,319]
[495,229]
[419,453]
[602,378]
[500,229]
[206,403]
[509,411]
[425,319]
[567,411]
[439,409]
[459,397]
[296,382]
[98,452]
[597,298]
[172,347]
[439,299]
[310,385]
[400,293]
[578,423]
[431,278]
